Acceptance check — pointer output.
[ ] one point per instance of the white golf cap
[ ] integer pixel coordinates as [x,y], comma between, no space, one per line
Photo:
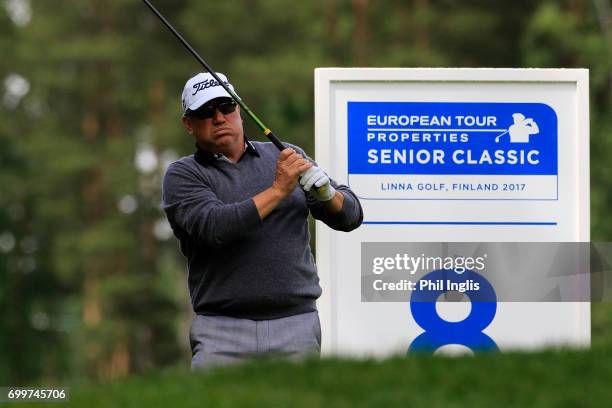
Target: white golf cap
[203,88]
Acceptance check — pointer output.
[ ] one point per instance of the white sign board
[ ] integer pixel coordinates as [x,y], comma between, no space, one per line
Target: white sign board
[451,155]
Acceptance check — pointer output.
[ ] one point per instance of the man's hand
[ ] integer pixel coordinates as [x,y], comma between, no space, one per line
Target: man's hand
[315,177]
[288,169]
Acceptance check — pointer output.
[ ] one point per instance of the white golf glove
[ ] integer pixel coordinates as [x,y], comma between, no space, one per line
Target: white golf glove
[316,177]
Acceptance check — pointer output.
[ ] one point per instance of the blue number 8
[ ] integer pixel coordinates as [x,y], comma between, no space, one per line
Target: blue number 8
[439,332]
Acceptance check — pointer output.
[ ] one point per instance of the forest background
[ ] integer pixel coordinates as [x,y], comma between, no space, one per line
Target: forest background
[92,284]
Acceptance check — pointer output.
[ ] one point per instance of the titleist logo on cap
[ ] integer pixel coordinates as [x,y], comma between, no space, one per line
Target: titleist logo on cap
[207,83]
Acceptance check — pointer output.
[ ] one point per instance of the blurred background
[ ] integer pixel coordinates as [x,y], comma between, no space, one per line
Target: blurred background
[92,284]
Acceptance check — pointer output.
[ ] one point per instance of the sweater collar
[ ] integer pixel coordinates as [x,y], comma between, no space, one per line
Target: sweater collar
[204,157]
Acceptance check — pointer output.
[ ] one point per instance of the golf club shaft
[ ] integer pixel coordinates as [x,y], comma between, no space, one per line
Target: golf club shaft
[235,97]
[500,135]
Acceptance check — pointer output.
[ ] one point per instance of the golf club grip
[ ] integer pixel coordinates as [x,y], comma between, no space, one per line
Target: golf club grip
[279,145]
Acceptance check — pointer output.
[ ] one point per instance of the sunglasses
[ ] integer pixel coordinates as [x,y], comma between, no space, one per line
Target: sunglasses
[208,111]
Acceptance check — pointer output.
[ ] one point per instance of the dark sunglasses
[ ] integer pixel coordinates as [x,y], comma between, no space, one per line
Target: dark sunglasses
[208,111]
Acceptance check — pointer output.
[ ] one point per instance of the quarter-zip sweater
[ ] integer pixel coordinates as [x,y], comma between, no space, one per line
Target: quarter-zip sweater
[239,265]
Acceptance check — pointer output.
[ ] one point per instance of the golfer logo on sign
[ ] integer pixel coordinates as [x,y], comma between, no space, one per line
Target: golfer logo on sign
[521,129]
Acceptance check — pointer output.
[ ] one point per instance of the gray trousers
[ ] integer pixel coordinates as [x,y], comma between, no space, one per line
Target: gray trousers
[220,340]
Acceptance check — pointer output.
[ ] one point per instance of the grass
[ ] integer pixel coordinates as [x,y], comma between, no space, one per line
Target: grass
[554,378]
[561,378]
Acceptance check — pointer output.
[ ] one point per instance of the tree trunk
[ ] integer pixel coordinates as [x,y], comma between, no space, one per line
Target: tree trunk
[362,34]
[331,28]
[421,39]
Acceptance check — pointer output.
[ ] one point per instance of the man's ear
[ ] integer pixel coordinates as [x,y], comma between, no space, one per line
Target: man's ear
[187,124]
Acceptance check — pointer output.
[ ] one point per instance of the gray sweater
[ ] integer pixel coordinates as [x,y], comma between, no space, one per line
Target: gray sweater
[239,265]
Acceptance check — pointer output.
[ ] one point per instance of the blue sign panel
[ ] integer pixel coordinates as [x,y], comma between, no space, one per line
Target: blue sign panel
[452,138]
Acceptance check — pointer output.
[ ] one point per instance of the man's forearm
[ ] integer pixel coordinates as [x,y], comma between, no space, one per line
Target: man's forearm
[267,201]
[334,205]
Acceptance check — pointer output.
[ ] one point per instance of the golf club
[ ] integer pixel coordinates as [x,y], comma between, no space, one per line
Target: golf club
[500,135]
[235,97]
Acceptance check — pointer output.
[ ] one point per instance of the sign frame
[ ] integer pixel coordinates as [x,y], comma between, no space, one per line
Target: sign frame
[325,78]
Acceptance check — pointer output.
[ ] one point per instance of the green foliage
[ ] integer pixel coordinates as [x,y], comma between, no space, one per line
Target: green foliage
[541,379]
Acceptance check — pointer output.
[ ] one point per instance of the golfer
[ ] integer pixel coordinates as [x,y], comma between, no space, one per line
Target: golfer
[239,209]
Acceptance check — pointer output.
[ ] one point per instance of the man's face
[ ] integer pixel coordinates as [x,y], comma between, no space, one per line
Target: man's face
[220,133]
